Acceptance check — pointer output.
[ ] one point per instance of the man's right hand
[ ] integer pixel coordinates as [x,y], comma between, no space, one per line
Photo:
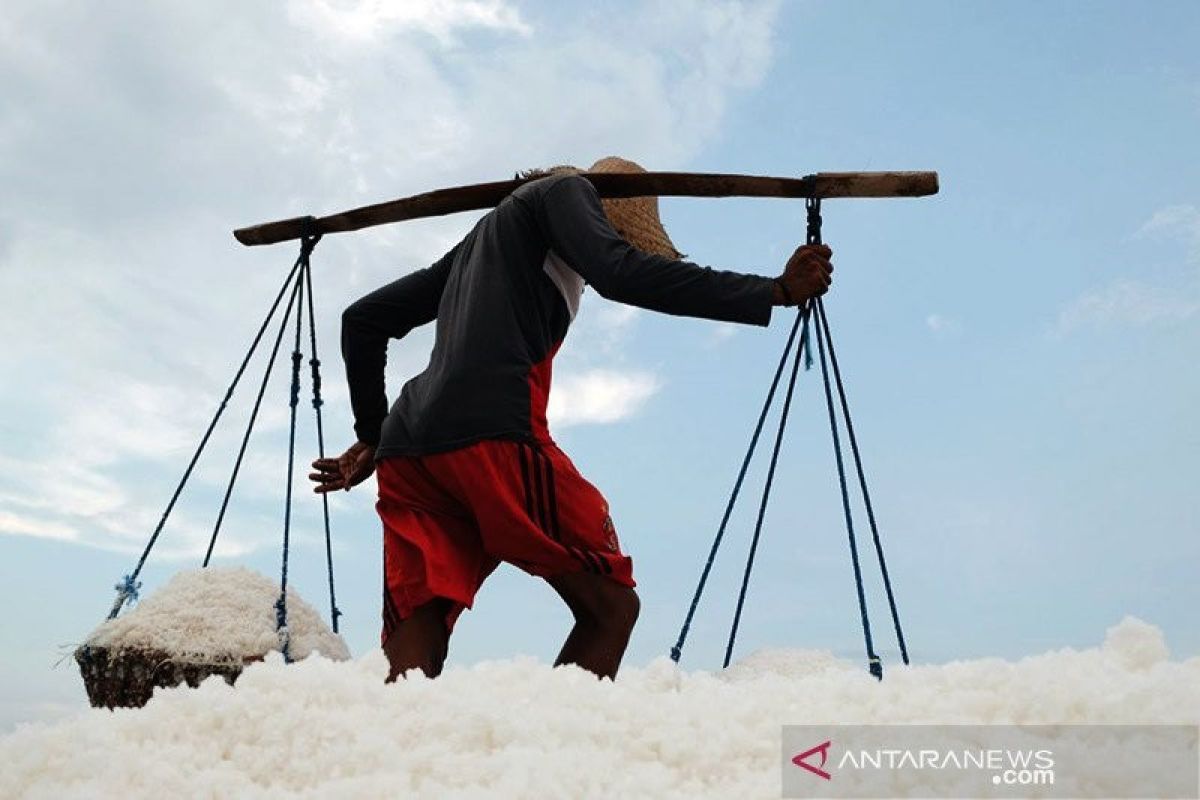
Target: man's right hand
[349,469]
[808,274]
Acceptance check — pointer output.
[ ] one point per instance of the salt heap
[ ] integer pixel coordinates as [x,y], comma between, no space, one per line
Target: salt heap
[202,622]
[519,728]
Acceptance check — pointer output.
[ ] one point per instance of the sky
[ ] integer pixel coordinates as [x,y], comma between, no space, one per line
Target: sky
[1019,350]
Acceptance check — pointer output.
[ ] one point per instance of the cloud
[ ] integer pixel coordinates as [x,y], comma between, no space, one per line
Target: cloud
[133,139]
[1137,303]
[600,334]
[722,332]
[943,325]
[15,524]
[599,396]
[362,21]
[1127,303]
[1177,222]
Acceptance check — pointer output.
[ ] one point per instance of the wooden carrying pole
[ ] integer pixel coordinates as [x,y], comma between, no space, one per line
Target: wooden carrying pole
[608,184]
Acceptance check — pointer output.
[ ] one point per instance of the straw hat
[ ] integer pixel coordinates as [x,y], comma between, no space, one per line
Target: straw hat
[634,218]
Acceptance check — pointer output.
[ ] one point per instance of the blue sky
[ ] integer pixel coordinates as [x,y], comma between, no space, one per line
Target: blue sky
[1019,350]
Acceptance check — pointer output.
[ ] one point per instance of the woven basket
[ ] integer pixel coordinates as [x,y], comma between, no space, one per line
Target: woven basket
[127,677]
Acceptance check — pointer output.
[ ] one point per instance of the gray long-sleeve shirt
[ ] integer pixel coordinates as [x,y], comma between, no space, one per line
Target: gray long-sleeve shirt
[503,299]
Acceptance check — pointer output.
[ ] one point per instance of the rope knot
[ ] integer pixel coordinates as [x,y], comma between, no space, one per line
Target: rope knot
[295,393]
[281,627]
[127,590]
[315,363]
[281,612]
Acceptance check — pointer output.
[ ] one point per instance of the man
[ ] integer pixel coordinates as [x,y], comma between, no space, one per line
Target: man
[468,474]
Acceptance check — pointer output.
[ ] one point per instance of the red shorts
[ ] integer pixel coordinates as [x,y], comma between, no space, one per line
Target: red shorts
[450,518]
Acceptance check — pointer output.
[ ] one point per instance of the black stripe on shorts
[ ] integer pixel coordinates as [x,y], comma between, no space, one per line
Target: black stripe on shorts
[551,500]
[525,480]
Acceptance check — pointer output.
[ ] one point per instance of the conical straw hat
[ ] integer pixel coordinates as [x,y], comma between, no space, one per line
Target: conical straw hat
[634,218]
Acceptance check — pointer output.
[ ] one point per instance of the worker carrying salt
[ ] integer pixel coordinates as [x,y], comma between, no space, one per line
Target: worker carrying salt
[467,471]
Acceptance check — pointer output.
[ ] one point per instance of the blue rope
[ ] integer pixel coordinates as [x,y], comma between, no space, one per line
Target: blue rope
[262,388]
[127,592]
[873,662]
[813,206]
[121,598]
[806,346]
[317,402]
[762,507]
[293,401]
[677,650]
[804,352]
[862,480]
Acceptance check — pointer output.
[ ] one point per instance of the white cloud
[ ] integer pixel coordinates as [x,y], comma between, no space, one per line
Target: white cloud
[1127,303]
[723,332]
[1133,302]
[133,140]
[363,21]
[1180,222]
[600,334]
[15,524]
[940,324]
[617,316]
[598,396]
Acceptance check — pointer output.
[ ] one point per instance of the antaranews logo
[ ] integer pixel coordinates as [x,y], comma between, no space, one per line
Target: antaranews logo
[801,760]
[1009,767]
[1001,761]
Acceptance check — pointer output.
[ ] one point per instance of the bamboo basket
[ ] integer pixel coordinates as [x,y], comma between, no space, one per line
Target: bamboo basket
[127,677]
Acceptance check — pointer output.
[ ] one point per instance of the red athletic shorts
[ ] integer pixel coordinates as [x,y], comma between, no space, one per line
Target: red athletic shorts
[450,518]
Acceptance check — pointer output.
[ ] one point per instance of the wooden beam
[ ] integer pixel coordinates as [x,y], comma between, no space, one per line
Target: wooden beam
[608,184]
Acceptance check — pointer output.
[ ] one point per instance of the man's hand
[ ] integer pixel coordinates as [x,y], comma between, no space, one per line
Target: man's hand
[349,469]
[808,274]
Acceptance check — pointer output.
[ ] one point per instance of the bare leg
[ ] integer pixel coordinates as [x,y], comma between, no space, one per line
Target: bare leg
[605,613]
[421,641]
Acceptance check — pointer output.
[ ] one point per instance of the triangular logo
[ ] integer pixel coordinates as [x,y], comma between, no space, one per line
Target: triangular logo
[823,749]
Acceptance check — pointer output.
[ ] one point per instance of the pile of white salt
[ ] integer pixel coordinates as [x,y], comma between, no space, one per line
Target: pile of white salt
[218,615]
[519,728]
